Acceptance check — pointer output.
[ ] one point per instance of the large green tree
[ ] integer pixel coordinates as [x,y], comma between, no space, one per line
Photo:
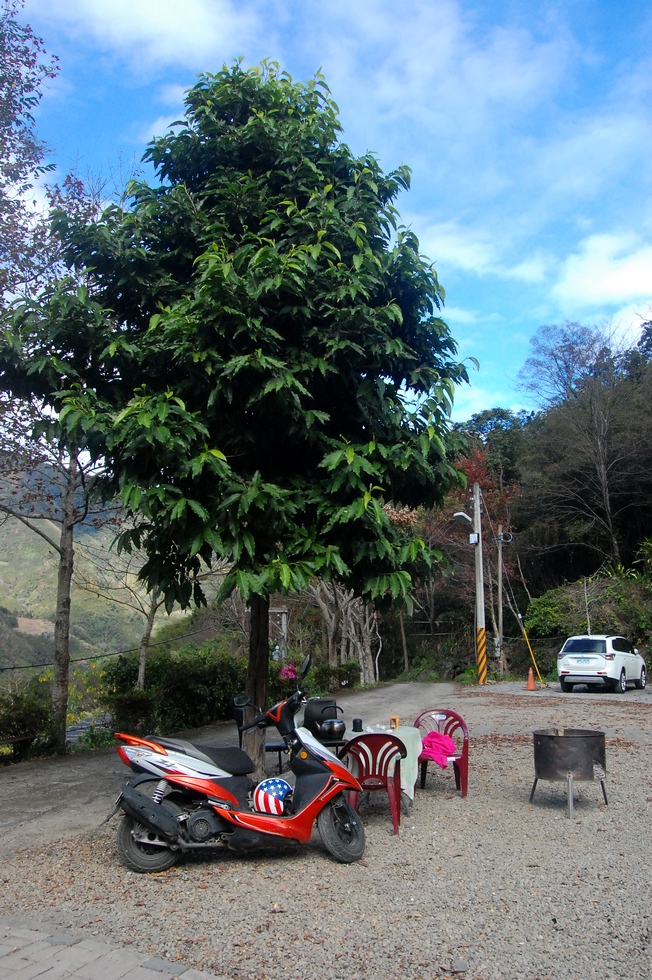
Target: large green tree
[274,366]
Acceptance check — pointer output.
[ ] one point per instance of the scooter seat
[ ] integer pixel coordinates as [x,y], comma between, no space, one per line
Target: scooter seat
[230,758]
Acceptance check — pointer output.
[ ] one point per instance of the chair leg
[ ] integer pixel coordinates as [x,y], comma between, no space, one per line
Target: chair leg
[394,794]
[456,770]
[424,770]
[462,774]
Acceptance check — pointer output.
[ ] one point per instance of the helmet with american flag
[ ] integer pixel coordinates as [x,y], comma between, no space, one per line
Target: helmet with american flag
[269,796]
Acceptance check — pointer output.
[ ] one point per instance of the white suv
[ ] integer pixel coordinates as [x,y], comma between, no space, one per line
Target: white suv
[604,661]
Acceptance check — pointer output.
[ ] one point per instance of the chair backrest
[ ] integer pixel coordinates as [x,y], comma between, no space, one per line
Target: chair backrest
[375,755]
[316,711]
[446,721]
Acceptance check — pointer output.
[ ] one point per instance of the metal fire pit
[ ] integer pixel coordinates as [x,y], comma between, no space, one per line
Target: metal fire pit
[569,753]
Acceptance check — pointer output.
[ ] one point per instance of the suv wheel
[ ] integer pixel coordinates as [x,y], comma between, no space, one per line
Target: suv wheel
[621,685]
[565,686]
[640,684]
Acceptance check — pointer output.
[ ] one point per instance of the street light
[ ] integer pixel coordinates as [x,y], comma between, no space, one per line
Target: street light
[476,540]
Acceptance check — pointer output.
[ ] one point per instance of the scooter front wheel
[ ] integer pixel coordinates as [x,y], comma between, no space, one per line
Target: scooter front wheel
[341,830]
[141,849]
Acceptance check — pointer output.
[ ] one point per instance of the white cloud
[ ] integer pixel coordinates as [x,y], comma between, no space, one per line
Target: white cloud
[469,249]
[584,159]
[456,314]
[480,251]
[158,127]
[532,269]
[432,60]
[169,95]
[155,31]
[529,137]
[626,322]
[606,269]
[172,95]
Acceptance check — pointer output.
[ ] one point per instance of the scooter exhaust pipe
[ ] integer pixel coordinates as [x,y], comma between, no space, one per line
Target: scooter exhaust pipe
[156,816]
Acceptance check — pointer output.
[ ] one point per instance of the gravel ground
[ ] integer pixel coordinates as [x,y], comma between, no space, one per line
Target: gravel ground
[487,887]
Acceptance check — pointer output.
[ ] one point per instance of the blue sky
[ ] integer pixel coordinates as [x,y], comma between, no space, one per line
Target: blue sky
[528,127]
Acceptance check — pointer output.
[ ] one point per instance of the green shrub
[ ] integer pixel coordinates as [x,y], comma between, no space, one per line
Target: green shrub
[134,712]
[616,604]
[519,659]
[97,737]
[8,618]
[470,676]
[548,615]
[279,687]
[325,678]
[194,686]
[25,711]
[184,689]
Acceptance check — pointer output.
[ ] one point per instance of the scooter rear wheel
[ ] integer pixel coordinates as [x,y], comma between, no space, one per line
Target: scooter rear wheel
[141,849]
[341,830]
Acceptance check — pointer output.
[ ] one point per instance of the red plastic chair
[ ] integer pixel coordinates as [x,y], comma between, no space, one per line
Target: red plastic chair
[375,758]
[449,723]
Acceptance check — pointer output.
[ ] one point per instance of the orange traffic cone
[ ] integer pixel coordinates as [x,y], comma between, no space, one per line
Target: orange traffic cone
[530,681]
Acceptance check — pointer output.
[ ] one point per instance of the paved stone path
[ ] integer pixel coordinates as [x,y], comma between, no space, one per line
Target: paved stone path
[32,950]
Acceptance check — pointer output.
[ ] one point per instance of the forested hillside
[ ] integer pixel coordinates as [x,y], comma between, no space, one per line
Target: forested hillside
[28,578]
[578,473]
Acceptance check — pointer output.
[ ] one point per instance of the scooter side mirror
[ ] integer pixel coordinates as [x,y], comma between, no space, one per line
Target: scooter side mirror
[241,701]
[305,667]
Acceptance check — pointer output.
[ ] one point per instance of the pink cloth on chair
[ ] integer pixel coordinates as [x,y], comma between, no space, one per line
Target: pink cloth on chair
[439,748]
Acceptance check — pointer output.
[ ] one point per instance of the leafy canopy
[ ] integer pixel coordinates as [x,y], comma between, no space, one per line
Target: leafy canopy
[268,365]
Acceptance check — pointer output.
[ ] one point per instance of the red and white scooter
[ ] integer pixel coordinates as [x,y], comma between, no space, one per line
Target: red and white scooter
[189,797]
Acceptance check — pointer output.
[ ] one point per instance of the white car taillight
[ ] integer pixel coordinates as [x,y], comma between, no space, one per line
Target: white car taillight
[610,656]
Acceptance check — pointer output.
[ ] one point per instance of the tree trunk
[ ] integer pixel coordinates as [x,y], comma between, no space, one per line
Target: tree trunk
[62,621]
[369,622]
[144,641]
[406,662]
[347,626]
[257,676]
[326,596]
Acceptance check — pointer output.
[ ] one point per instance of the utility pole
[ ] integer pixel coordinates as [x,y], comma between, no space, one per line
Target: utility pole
[480,628]
[500,599]
[476,540]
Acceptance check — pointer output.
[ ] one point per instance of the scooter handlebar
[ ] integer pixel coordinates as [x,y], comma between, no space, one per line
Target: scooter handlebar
[263,720]
[260,721]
